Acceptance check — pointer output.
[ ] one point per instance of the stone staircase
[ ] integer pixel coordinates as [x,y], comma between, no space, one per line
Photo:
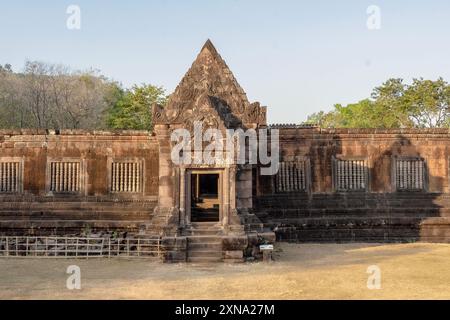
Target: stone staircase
[354,217]
[204,242]
[42,216]
[205,214]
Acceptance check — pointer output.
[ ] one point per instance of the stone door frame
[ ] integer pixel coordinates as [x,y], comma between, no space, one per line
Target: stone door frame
[226,192]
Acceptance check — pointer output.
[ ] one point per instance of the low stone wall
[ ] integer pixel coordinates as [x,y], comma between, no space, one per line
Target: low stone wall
[396,217]
[42,216]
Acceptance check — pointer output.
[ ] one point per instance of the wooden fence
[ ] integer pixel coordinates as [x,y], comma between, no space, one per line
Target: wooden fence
[70,247]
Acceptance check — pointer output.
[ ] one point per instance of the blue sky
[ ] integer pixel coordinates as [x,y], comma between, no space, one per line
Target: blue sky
[296,57]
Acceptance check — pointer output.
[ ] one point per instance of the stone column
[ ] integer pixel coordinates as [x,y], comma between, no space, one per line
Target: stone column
[188,197]
[166,220]
[232,187]
[182,197]
[225,191]
[244,188]
[166,183]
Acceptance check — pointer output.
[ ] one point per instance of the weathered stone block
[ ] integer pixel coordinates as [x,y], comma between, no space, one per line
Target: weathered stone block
[234,243]
[174,256]
[235,254]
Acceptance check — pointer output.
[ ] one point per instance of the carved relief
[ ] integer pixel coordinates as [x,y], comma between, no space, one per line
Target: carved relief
[158,114]
[263,115]
[210,93]
[252,115]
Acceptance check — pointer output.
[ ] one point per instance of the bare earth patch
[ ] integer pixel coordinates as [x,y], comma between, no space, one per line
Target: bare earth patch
[301,271]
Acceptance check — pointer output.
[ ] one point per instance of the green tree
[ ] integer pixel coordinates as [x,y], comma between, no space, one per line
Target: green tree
[133,109]
[356,115]
[422,104]
[389,109]
[427,103]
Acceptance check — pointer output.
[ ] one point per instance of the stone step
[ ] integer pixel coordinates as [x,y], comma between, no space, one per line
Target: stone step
[204,239]
[357,209]
[76,205]
[204,248]
[368,215]
[204,254]
[205,232]
[205,245]
[204,215]
[204,259]
[74,216]
[50,212]
[63,228]
[208,219]
[203,224]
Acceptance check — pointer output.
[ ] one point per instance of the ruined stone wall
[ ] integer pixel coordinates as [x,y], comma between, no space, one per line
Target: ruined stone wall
[381,212]
[94,204]
[94,147]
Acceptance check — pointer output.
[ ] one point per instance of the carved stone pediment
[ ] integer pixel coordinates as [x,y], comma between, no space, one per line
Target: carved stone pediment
[209,92]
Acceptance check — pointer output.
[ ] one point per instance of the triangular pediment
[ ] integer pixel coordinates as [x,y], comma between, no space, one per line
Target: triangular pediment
[210,87]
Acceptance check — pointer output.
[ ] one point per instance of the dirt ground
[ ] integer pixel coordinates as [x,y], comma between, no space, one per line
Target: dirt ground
[301,271]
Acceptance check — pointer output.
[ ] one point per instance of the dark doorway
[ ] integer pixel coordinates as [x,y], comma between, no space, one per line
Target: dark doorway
[205,197]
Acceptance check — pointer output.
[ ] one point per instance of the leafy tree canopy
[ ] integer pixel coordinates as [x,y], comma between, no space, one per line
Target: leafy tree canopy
[133,109]
[394,104]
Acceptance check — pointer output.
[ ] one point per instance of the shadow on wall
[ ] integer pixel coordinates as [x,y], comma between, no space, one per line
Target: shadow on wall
[423,205]
[406,212]
[412,203]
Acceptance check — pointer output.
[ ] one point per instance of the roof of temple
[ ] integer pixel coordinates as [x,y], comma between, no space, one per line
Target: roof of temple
[209,84]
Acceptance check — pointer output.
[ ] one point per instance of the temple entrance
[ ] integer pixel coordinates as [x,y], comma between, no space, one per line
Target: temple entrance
[205,200]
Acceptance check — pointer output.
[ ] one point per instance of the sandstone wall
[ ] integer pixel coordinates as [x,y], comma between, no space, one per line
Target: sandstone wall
[36,210]
[380,213]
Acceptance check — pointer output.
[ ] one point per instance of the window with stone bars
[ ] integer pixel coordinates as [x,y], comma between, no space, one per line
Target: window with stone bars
[291,176]
[350,175]
[10,176]
[65,176]
[410,174]
[126,176]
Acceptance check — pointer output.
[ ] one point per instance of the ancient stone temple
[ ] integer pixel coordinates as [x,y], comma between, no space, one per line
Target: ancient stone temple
[331,185]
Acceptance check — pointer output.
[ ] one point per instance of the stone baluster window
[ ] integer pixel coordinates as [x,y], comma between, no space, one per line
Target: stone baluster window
[65,176]
[126,176]
[410,174]
[291,176]
[350,175]
[10,176]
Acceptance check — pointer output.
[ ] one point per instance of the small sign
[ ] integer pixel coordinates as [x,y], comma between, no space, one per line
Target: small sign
[266,247]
